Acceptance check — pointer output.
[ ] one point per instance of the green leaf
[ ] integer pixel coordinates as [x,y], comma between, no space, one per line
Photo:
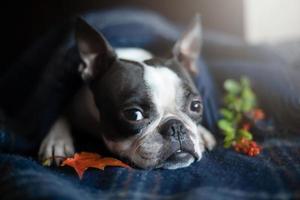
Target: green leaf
[248,100]
[247,106]
[227,114]
[232,86]
[247,94]
[229,138]
[245,134]
[245,82]
[225,125]
[228,144]
[229,101]
[230,134]
[238,105]
[229,98]
[238,100]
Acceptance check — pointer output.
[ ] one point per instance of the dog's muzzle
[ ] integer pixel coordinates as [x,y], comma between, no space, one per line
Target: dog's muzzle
[182,151]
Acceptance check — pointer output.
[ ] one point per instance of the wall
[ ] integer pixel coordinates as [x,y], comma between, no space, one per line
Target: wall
[271,20]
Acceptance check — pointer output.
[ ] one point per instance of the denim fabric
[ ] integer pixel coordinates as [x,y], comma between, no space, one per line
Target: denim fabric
[221,174]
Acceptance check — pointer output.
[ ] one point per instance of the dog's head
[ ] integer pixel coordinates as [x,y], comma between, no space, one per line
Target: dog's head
[150,111]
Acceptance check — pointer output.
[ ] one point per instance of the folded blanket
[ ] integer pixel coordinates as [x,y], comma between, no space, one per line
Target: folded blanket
[221,174]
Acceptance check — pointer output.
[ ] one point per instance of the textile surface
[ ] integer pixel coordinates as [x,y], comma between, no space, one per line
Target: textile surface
[221,174]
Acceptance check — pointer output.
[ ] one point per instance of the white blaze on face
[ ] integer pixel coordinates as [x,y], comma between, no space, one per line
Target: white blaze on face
[167,94]
[135,54]
[165,87]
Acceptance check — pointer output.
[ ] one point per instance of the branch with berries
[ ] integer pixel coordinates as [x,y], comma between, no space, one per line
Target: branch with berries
[239,115]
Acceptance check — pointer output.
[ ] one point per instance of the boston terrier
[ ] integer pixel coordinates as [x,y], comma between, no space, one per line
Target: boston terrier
[146,109]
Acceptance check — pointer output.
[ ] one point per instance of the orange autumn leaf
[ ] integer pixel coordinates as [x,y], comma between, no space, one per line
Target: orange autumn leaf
[84,160]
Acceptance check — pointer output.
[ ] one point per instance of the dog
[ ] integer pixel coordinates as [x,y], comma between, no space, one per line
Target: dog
[146,109]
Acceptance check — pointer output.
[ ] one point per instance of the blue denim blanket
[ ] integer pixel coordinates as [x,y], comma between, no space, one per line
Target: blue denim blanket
[221,174]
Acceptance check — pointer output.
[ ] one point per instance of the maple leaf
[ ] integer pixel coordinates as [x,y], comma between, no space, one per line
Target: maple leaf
[84,160]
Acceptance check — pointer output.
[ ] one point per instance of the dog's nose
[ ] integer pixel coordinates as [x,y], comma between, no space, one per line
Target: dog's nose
[173,128]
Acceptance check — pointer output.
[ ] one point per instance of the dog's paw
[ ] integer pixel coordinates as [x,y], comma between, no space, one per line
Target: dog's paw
[208,138]
[56,147]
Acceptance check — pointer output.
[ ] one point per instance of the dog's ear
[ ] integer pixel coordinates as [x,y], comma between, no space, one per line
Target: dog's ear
[187,49]
[94,50]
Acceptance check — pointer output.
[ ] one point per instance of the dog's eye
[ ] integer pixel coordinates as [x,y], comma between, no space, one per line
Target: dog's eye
[196,106]
[133,114]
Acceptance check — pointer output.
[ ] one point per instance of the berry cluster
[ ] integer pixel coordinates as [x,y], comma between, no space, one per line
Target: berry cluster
[247,147]
[240,113]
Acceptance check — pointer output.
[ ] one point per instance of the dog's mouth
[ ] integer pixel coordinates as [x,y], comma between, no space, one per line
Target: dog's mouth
[179,159]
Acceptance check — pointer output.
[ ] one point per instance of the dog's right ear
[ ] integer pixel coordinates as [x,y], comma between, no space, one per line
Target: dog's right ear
[94,50]
[188,48]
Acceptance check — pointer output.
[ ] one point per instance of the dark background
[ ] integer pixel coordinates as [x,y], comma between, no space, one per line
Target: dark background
[22,22]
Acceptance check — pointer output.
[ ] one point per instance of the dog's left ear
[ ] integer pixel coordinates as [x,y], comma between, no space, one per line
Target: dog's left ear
[95,52]
[187,49]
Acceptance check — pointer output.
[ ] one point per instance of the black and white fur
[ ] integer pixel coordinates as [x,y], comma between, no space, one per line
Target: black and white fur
[139,105]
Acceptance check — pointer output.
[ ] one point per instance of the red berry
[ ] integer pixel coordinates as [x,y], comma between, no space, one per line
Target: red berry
[247,147]
[246,126]
[258,114]
[253,144]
